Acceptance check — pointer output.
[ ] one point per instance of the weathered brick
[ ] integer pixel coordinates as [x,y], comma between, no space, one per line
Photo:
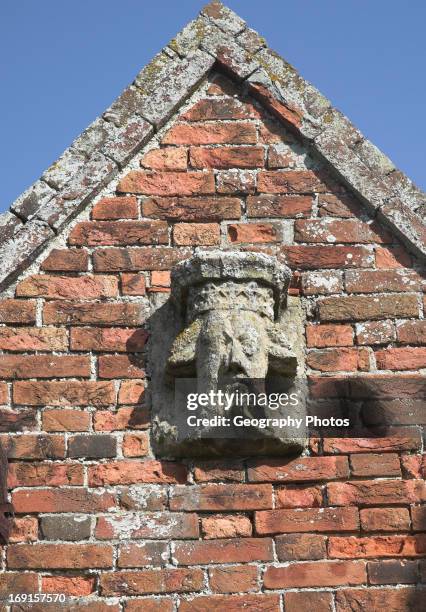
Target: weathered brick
[131,392]
[84,313]
[308,257]
[132,472]
[210,471]
[141,554]
[233,550]
[395,442]
[65,420]
[124,418]
[418,516]
[306,520]
[342,359]
[18,583]
[279,206]
[69,528]
[67,287]
[360,307]
[226,526]
[332,205]
[290,181]
[17,311]
[133,284]
[376,493]
[167,183]
[385,519]
[45,474]
[401,358]
[62,500]
[319,336]
[115,208]
[159,604]
[226,157]
[371,464]
[160,279]
[334,230]
[380,599]
[135,445]
[192,209]
[373,281]
[299,496]
[211,133]
[92,446]
[196,234]
[40,446]
[172,158]
[220,109]
[33,339]
[108,339]
[44,366]
[322,283]
[312,574]
[393,572]
[66,260]
[110,233]
[375,332]
[232,603]
[236,181]
[120,366]
[59,556]
[392,257]
[3,393]
[221,497]
[300,547]
[177,580]
[298,470]
[155,525]
[254,232]
[149,498]
[116,260]
[74,586]
[320,601]
[24,529]
[234,579]
[377,546]
[412,466]
[15,420]
[411,332]
[57,393]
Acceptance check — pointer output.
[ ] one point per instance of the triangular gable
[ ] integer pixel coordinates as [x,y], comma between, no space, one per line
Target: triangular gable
[218,39]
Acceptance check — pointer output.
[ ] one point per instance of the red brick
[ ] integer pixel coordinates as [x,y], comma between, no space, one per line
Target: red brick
[376,493]
[221,86]
[221,497]
[401,359]
[373,281]
[331,205]
[131,392]
[290,181]
[192,209]
[133,284]
[391,600]
[362,445]
[236,181]
[335,360]
[57,393]
[306,520]
[320,336]
[377,546]
[33,339]
[67,287]
[167,183]
[418,515]
[234,579]
[44,366]
[17,583]
[233,550]
[161,604]
[279,206]
[104,339]
[17,311]
[231,603]
[24,529]
[220,109]
[386,386]
[160,279]
[135,445]
[322,283]
[253,232]
[141,554]
[15,420]
[300,547]
[3,393]
[196,234]
[115,208]
[211,133]
[312,574]
[385,519]
[375,332]
[149,498]
[393,572]
[65,420]
[226,157]
[210,471]
[73,586]
[62,500]
[132,472]
[281,156]
[151,581]
[45,474]
[320,601]
[83,313]
[116,260]
[411,466]
[226,526]
[392,257]
[66,260]
[120,366]
[298,470]
[336,230]
[299,496]
[173,158]
[156,525]
[361,307]
[411,332]
[306,257]
[40,446]
[59,556]
[370,464]
[110,233]
[124,418]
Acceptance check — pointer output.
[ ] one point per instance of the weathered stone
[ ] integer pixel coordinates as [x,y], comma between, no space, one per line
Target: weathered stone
[228,54]
[32,199]
[223,17]
[9,225]
[64,169]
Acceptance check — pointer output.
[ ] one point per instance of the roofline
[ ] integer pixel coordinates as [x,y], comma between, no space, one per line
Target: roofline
[220,39]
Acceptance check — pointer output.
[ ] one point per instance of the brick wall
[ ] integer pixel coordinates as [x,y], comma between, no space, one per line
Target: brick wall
[98,517]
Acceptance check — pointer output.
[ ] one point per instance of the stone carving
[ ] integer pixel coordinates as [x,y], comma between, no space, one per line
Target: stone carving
[235,335]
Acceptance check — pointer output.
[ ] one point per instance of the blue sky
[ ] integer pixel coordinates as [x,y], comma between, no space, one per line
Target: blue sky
[62,64]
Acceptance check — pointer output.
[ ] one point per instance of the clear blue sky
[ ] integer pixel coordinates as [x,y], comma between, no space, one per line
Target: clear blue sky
[62,63]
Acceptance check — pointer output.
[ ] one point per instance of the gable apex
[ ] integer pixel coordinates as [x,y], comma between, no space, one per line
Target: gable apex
[220,39]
